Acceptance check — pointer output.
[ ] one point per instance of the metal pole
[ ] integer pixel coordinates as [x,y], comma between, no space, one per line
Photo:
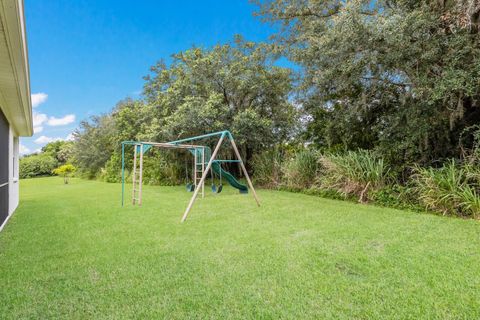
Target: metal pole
[204,175]
[203,136]
[123,172]
[244,170]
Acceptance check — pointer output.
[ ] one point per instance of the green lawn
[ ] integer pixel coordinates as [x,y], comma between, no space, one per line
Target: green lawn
[71,251]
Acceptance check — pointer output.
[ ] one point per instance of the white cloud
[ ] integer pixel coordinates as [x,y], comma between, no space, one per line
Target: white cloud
[23,149]
[38,99]
[45,139]
[37,129]
[69,118]
[39,119]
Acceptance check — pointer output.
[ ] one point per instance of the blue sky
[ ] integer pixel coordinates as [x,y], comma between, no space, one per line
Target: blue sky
[87,55]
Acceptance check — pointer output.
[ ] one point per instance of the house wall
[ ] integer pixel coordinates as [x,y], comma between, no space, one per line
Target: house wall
[13,172]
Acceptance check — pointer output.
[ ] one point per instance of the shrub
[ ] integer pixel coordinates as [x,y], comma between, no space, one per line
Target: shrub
[113,169]
[396,196]
[66,170]
[159,168]
[354,173]
[301,170]
[162,170]
[267,168]
[37,165]
[451,189]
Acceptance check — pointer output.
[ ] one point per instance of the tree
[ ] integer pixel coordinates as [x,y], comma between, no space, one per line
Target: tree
[399,76]
[233,86]
[95,142]
[60,150]
[65,170]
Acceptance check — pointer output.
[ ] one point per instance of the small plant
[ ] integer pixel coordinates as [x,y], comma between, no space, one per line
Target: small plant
[396,196]
[66,170]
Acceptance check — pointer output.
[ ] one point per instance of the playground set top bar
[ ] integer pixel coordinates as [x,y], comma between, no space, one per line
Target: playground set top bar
[204,136]
[163,144]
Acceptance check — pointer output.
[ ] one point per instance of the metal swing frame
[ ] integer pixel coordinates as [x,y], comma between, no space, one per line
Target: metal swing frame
[142,147]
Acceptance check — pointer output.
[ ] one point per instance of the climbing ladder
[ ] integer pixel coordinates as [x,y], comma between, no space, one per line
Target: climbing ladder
[199,168]
[137,175]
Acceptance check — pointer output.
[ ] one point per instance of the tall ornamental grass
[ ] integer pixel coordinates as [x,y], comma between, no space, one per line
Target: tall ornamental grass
[301,171]
[267,168]
[353,173]
[451,189]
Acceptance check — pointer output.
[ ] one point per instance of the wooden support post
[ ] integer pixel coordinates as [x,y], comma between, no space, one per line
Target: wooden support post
[204,175]
[140,182]
[134,172]
[244,170]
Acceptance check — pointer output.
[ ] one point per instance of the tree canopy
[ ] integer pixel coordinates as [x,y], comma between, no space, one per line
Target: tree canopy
[233,86]
[399,76]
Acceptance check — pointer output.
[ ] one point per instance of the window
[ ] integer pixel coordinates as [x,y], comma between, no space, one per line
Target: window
[4,161]
[15,156]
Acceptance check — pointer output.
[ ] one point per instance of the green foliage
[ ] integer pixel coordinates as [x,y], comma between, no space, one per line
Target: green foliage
[113,169]
[231,86]
[52,155]
[60,150]
[161,168]
[400,77]
[268,167]
[65,170]
[354,172]
[396,196]
[397,78]
[94,144]
[451,189]
[36,165]
[301,170]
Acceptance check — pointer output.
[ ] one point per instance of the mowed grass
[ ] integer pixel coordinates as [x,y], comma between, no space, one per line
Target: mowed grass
[70,251]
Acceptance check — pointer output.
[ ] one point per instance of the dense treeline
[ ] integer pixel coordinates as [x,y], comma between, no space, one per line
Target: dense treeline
[383,104]
[234,86]
[398,76]
[43,163]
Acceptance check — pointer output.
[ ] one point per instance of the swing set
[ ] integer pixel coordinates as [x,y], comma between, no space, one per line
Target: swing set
[204,161]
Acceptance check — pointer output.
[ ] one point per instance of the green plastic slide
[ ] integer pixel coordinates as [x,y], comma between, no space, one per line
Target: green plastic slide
[217,168]
[229,177]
